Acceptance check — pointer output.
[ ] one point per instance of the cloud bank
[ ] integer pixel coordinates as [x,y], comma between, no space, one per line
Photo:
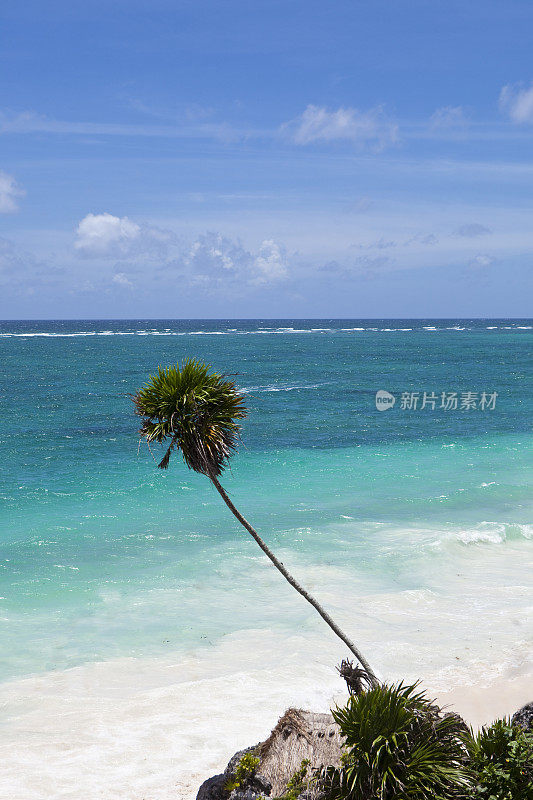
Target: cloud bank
[211,261]
[214,257]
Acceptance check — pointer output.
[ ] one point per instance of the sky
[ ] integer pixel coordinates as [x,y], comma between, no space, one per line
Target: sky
[266,159]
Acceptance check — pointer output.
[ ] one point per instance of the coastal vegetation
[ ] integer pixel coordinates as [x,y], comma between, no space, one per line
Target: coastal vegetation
[245,769]
[502,762]
[395,744]
[197,411]
[400,746]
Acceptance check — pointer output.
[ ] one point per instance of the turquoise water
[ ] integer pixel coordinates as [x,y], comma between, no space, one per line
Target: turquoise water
[104,556]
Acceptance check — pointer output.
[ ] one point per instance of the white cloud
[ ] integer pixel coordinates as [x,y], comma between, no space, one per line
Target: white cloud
[216,258]
[212,260]
[107,236]
[517,102]
[9,192]
[270,263]
[121,279]
[366,128]
[481,260]
[448,117]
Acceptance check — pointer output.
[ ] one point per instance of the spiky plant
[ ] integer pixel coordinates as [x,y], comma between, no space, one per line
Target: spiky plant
[197,411]
[398,746]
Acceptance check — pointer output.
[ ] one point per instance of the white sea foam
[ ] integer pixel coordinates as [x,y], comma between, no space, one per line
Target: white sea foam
[260,331]
[274,388]
[237,332]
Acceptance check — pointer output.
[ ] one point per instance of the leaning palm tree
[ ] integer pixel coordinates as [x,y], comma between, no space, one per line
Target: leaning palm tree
[197,411]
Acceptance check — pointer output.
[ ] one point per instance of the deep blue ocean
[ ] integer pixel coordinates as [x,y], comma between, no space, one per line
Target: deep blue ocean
[419,512]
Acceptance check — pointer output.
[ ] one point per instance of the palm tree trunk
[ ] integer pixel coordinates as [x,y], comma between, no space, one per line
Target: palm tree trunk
[293,582]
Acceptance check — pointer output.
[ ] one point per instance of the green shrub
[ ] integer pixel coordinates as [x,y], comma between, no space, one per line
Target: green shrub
[502,759]
[244,770]
[398,747]
[297,783]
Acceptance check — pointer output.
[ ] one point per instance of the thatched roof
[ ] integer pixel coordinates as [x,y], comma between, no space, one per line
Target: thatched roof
[298,735]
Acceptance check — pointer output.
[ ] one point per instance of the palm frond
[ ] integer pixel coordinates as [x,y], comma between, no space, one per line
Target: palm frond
[398,746]
[194,409]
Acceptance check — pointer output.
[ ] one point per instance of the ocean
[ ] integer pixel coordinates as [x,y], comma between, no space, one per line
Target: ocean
[144,634]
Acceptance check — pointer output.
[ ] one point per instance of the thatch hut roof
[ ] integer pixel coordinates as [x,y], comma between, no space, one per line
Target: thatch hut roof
[298,735]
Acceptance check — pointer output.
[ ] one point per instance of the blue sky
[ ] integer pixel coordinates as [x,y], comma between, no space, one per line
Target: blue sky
[266,159]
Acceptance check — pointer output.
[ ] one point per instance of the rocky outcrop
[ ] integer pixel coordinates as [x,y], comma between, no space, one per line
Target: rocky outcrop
[524,717]
[298,736]
[213,788]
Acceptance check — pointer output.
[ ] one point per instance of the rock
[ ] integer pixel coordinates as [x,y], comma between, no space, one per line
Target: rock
[524,717]
[213,788]
[256,787]
[298,736]
[229,772]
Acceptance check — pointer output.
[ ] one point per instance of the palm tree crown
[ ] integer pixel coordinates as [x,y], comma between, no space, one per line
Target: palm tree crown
[194,408]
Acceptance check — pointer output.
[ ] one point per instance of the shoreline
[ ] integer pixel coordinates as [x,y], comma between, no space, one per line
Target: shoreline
[141,729]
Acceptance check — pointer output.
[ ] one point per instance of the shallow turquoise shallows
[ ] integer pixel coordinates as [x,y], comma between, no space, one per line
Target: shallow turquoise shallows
[103,556]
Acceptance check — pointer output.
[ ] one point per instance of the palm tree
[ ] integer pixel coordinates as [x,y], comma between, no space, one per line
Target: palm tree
[197,411]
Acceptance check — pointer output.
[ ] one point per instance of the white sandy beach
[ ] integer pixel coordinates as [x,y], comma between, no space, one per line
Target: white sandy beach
[154,730]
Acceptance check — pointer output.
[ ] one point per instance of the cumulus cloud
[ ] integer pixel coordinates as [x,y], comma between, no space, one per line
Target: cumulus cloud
[517,102]
[9,193]
[448,117]
[214,258]
[370,128]
[107,236]
[472,230]
[270,263]
[211,261]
